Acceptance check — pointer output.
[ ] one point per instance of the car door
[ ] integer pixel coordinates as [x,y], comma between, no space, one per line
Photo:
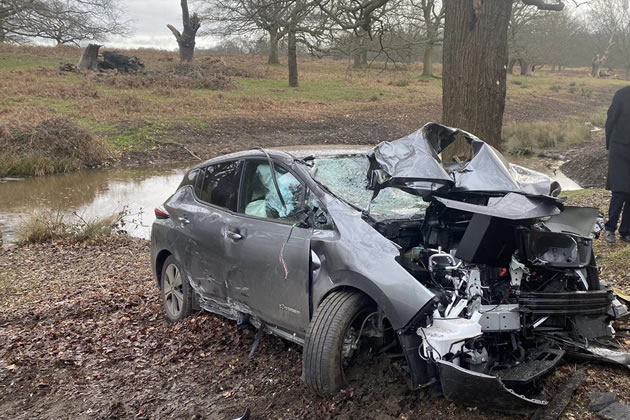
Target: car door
[208,210]
[269,249]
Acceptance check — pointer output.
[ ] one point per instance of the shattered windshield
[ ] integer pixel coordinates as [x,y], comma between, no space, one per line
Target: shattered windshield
[346,177]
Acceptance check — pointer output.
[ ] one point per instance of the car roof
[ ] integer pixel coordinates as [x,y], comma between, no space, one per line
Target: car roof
[287,154]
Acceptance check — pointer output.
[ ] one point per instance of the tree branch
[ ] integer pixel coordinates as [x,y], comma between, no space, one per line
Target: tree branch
[544,5]
[177,34]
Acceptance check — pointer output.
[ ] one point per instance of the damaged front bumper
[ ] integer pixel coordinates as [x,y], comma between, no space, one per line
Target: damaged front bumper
[472,388]
[465,374]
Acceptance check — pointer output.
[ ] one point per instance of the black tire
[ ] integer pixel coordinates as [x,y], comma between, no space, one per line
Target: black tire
[176,295]
[322,360]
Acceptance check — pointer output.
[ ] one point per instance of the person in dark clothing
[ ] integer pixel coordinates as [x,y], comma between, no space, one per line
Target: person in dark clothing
[618,181]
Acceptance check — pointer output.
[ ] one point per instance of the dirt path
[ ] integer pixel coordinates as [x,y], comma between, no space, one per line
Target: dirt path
[83,335]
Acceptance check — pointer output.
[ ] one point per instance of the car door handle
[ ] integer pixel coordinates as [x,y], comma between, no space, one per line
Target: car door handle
[233,235]
[183,220]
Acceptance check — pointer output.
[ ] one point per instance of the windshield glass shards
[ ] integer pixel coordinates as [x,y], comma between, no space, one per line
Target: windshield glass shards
[345,176]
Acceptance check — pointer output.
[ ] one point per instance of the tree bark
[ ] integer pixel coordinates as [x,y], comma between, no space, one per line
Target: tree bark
[273,47]
[526,68]
[89,58]
[427,61]
[360,52]
[596,64]
[474,76]
[292,58]
[511,65]
[186,38]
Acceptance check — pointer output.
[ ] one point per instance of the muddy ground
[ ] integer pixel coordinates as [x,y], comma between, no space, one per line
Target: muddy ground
[588,165]
[366,124]
[83,335]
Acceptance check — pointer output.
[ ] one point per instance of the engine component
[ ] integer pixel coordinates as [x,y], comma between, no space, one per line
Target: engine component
[448,336]
[518,272]
[496,318]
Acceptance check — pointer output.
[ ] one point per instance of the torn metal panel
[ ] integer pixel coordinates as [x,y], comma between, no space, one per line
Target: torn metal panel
[511,206]
[574,220]
[412,163]
[478,389]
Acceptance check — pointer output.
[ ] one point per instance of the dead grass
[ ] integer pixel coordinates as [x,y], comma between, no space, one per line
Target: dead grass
[533,137]
[53,225]
[55,145]
[32,90]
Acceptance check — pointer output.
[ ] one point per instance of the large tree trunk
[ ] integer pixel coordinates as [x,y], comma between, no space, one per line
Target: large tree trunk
[526,67]
[427,61]
[596,64]
[627,72]
[475,59]
[273,47]
[89,58]
[359,51]
[292,58]
[186,39]
[511,65]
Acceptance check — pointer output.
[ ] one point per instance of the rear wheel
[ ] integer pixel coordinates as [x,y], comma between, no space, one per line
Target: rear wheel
[332,340]
[176,291]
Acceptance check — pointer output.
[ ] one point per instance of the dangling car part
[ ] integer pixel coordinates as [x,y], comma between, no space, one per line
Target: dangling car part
[476,272]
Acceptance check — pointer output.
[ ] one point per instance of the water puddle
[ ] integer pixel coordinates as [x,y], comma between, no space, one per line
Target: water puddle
[91,194]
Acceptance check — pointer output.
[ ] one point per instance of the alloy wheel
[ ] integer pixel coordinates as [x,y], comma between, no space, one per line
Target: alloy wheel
[173,290]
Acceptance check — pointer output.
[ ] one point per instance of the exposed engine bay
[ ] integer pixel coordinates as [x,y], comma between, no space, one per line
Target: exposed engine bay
[513,271]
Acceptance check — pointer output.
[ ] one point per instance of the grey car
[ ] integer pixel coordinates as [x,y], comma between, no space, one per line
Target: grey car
[475,272]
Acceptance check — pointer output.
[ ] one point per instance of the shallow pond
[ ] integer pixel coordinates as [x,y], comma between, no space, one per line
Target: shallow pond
[91,194]
[98,193]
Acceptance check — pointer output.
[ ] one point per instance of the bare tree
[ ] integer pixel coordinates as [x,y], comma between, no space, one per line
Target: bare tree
[244,17]
[64,21]
[432,13]
[186,38]
[239,17]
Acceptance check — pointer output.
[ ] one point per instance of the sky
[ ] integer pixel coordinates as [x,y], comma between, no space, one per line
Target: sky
[150,18]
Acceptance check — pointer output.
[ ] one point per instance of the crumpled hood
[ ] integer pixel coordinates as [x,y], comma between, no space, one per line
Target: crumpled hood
[412,164]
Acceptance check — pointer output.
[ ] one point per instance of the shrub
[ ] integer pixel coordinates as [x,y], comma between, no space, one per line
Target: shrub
[401,82]
[54,145]
[529,138]
[47,226]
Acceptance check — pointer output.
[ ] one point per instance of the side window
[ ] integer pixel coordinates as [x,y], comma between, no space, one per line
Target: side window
[217,184]
[321,219]
[189,179]
[259,196]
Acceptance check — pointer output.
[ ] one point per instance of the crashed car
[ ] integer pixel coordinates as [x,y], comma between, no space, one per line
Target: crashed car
[475,271]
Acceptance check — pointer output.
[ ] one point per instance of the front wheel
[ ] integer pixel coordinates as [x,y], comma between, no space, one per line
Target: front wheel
[332,339]
[176,291]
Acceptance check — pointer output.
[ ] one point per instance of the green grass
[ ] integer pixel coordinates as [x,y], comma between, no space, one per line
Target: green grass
[137,137]
[322,90]
[529,138]
[599,118]
[18,61]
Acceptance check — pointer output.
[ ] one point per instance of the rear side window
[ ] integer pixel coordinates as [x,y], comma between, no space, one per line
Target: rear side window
[189,179]
[217,185]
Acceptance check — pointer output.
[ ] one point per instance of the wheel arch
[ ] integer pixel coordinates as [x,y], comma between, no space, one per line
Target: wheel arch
[160,259]
[375,295]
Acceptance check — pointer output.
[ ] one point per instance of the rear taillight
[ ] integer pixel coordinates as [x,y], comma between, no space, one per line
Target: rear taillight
[160,213]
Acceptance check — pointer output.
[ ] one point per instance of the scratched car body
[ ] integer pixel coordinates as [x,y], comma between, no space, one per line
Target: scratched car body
[476,271]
